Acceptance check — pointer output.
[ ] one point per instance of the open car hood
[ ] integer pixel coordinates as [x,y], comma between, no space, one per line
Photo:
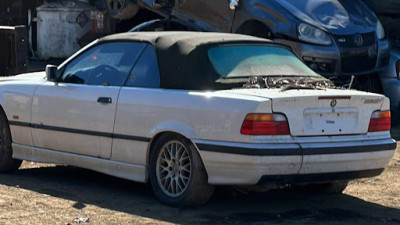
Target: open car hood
[336,16]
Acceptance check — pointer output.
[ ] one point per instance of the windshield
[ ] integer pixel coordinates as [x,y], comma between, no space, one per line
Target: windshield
[256,60]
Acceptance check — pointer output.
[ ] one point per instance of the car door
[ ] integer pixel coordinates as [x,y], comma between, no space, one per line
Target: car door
[135,110]
[207,15]
[76,113]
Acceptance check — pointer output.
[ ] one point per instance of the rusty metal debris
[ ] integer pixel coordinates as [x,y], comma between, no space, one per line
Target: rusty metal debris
[287,83]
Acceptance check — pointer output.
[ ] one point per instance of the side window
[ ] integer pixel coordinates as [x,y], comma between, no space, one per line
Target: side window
[106,64]
[145,73]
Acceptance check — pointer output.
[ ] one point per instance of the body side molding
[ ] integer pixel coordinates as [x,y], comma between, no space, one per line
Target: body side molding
[87,132]
[123,170]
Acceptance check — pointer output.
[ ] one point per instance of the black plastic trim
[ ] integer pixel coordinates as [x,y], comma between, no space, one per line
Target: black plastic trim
[295,151]
[71,130]
[86,132]
[318,177]
[17,123]
[129,137]
[349,149]
[250,151]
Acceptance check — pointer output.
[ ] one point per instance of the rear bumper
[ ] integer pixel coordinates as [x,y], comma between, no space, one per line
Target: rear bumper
[250,164]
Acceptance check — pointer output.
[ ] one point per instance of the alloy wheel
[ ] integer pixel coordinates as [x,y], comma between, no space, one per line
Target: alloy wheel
[173,168]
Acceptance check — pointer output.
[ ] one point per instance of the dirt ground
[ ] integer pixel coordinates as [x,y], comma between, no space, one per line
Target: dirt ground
[50,194]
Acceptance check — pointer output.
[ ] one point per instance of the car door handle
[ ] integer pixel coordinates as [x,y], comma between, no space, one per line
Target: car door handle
[104,100]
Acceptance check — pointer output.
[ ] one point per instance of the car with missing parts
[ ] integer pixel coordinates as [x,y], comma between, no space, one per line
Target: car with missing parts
[172,109]
[336,38]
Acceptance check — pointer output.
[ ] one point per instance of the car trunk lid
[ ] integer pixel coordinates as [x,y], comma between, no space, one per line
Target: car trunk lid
[327,112]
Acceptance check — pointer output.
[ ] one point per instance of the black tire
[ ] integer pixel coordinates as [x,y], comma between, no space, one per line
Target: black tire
[196,190]
[7,163]
[121,9]
[325,188]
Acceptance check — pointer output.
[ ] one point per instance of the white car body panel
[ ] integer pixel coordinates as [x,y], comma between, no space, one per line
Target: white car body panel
[248,169]
[206,118]
[309,116]
[71,106]
[119,169]
[16,100]
[328,160]
[213,116]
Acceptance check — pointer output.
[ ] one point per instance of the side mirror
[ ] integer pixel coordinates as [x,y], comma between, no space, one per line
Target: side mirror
[51,72]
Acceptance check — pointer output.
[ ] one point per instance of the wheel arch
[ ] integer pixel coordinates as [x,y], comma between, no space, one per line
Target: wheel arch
[3,102]
[3,112]
[7,162]
[154,140]
[255,27]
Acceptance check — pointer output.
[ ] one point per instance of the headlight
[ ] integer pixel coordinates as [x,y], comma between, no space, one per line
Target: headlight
[313,35]
[380,32]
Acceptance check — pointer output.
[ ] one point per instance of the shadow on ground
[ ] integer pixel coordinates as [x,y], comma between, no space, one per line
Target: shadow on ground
[226,207]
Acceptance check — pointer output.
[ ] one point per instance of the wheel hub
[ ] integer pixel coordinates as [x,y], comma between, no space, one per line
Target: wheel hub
[173,168]
[176,168]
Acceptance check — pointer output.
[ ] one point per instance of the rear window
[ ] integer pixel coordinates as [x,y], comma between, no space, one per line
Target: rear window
[256,60]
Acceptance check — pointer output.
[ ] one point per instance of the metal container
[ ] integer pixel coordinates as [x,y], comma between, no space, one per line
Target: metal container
[14,53]
[60,25]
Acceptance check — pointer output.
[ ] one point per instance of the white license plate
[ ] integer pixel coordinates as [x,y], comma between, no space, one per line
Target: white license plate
[330,120]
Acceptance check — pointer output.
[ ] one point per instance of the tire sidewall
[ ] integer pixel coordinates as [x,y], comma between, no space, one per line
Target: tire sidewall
[7,163]
[173,201]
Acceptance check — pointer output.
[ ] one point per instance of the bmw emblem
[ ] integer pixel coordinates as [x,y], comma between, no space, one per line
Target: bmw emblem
[358,40]
[333,103]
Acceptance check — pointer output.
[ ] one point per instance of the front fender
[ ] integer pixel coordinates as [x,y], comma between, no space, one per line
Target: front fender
[16,100]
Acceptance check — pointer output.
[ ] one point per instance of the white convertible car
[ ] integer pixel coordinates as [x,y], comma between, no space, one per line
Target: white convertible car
[187,111]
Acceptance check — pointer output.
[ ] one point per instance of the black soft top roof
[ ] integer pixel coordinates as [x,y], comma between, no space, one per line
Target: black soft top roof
[182,56]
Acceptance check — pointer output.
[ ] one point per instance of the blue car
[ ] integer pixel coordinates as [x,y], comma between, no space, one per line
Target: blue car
[390,79]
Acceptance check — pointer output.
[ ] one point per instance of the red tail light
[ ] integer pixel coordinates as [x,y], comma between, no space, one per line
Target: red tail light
[380,121]
[265,124]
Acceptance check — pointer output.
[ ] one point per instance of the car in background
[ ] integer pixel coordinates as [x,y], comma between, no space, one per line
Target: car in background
[186,111]
[333,37]
[390,79]
[387,7]
[388,12]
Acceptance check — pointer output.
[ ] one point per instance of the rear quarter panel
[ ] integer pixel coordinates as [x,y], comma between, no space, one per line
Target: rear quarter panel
[196,115]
